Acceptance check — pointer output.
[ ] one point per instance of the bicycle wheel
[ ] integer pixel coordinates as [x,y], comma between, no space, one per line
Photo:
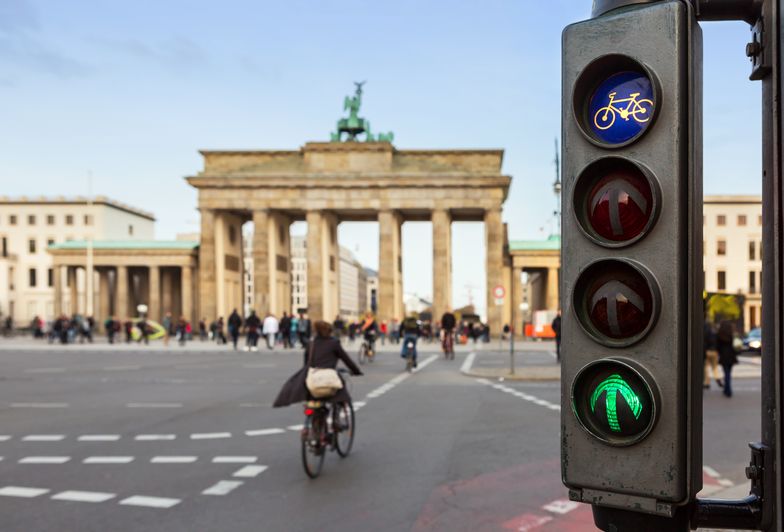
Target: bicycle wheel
[343,425]
[362,356]
[604,118]
[410,363]
[643,110]
[312,448]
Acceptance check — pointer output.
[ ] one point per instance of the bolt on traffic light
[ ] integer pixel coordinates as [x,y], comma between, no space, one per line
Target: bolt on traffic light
[631,265]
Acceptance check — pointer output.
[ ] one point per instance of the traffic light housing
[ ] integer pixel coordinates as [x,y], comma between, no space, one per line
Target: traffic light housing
[631,265]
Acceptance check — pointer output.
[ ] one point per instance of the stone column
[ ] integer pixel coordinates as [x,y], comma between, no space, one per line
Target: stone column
[442,262]
[73,290]
[516,299]
[207,265]
[154,298]
[494,249]
[314,247]
[390,267]
[261,262]
[280,264]
[121,300]
[167,289]
[331,267]
[57,273]
[103,295]
[552,289]
[186,290]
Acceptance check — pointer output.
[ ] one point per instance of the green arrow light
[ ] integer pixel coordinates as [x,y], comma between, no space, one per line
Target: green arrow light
[612,385]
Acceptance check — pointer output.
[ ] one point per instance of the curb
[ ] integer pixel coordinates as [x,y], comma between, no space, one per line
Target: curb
[524,373]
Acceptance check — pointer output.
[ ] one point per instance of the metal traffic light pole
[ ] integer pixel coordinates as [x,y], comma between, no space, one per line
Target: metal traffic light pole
[762,509]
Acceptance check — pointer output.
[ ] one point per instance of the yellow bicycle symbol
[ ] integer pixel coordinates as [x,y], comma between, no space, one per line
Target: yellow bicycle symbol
[641,110]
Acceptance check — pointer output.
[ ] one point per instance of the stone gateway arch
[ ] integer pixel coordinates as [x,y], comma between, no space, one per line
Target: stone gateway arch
[325,183]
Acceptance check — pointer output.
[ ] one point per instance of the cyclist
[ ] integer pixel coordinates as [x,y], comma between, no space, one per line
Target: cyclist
[410,331]
[369,331]
[326,353]
[448,323]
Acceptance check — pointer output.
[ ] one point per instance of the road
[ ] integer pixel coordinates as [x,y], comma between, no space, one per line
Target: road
[123,438]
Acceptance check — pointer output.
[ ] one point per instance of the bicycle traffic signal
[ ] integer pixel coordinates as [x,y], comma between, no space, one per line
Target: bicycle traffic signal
[631,258]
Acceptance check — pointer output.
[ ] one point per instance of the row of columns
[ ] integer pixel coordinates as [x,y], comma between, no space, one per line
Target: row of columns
[271,252]
[158,290]
[548,299]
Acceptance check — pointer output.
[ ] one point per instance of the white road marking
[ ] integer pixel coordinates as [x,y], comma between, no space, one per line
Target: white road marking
[108,460]
[5,437]
[561,506]
[44,459]
[98,437]
[39,405]
[211,436]
[17,491]
[711,472]
[250,471]
[726,482]
[44,437]
[150,502]
[45,370]
[153,405]
[468,363]
[426,362]
[154,437]
[234,459]
[223,487]
[295,427]
[263,432]
[173,459]
[522,395]
[253,405]
[83,496]
[121,368]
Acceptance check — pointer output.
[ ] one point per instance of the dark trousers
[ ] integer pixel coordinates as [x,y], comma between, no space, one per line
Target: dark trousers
[727,379]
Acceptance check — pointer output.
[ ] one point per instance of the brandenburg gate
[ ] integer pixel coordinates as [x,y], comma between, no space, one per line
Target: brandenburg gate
[326,183]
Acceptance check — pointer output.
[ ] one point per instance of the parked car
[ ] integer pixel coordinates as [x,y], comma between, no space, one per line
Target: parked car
[753,340]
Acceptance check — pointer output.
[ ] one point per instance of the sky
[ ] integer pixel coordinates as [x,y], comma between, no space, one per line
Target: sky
[129,91]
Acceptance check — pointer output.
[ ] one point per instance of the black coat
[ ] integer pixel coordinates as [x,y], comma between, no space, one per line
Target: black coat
[326,354]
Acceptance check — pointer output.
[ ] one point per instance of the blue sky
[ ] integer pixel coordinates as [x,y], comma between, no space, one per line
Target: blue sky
[131,90]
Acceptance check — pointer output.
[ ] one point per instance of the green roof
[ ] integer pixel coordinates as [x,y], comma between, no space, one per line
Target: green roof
[553,243]
[127,244]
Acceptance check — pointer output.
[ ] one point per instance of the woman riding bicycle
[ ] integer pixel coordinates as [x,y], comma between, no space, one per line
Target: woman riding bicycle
[370,332]
[323,352]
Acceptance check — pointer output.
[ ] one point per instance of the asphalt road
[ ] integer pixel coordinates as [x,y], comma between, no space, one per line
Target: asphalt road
[133,438]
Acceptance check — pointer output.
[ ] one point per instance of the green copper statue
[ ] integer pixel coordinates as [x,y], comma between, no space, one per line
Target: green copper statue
[355,125]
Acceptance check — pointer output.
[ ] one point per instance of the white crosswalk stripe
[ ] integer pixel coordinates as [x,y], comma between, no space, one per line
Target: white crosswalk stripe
[18,491]
[150,502]
[223,487]
[83,496]
[250,471]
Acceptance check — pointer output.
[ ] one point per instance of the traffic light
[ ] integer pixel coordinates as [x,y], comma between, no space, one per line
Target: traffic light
[631,265]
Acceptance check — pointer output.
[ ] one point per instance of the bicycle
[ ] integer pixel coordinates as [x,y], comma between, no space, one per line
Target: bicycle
[328,426]
[641,110]
[409,356]
[448,345]
[366,352]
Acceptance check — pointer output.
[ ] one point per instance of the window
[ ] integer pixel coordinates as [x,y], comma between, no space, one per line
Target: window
[130,230]
[752,316]
[69,219]
[31,245]
[5,247]
[50,241]
[50,277]
[752,282]
[752,250]
[741,219]
[31,272]
[88,219]
[31,219]
[721,219]
[721,280]
[50,219]
[721,247]
[12,219]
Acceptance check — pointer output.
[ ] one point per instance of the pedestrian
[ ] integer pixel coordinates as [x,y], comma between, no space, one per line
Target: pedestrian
[270,330]
[128,326]
[143,332]
[556,325]
[303,329]
[167,328]
[252,327]
[727,355]
[285,330]
[384,330]
[9,326]
[337,327]
[394,329]
[711,356]
[182,331]
[108,326]
[294,330]
[220,336]
[86,330]
[203,329]
[235,324]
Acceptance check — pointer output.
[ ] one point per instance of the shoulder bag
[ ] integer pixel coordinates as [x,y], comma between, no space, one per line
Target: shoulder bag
[321,382]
